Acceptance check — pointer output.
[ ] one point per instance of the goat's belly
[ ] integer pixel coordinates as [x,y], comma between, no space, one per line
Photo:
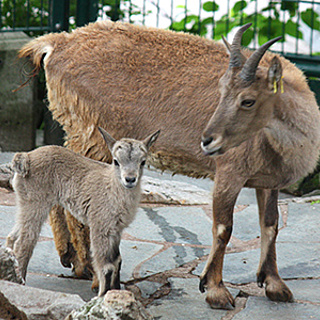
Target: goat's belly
[281,176]
[75,211]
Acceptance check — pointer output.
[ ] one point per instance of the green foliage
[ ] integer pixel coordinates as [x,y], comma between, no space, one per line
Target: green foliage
[18,14]
[268,22]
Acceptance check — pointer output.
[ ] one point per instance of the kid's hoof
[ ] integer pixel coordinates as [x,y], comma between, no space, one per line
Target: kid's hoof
[276,290]
[220,298]
[95,284]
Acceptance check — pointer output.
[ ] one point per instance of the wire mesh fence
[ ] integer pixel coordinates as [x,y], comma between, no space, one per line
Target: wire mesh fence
[297,21]
[21,15]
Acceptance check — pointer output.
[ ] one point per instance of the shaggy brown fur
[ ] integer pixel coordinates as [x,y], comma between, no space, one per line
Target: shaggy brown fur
[130,79]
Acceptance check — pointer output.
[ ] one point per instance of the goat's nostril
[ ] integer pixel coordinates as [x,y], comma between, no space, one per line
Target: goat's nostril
[130,180]
[207,141]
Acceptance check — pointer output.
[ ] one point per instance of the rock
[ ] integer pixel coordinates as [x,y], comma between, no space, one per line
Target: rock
[9,269]
[22,302]
[115,305]
[172,192]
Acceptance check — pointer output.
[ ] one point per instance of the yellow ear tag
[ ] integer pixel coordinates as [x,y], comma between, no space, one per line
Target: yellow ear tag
[275,88]
[281,85]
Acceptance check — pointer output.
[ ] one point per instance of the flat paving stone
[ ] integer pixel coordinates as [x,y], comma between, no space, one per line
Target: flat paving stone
[6,157]
[65,285]
[148,288]
[45,260]
[307,290]
[133,253]
[303,224]
[171,258]
[185,302]
[264,309]
[294,261]
[246,223]
[8,218]
[188,225]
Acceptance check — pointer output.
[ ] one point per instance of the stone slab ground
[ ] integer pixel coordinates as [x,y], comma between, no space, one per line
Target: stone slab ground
[165,248]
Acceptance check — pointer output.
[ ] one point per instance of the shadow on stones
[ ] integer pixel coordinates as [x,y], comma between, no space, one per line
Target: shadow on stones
[168,233]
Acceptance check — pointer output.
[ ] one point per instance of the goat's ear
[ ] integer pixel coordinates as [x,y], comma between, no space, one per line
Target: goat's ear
[227,44]
[110,141]
[149,141]
[274,74]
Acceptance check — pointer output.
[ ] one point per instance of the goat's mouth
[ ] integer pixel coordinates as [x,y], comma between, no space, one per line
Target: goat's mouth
[211,147]
[129,185]
[213,152]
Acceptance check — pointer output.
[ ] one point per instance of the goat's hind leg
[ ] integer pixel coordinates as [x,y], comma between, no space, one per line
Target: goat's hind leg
[13,236]
[276,289]
[30,219]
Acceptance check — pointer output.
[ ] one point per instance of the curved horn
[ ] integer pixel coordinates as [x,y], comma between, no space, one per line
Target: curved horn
[249,69]
[236,57]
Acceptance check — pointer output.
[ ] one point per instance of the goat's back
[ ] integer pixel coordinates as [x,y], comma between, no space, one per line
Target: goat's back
[46,172]
[130,79]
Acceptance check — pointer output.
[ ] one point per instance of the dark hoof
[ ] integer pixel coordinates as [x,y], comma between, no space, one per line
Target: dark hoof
[202,284]
[277,290]
[220,298]
[67,258]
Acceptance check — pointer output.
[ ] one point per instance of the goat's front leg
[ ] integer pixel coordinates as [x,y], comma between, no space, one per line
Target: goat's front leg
[106,256]
[276,289]
[225,194]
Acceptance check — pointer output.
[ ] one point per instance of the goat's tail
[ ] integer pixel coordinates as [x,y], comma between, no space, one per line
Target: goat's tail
[6,175]
[40,48]
[21,163]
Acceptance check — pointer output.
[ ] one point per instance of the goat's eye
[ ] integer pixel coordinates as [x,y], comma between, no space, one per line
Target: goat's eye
[247,103]
[116,163]
[143,163]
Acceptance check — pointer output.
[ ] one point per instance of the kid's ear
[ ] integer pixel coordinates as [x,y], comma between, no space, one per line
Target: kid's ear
[110,141]
[150,140]
[274,74]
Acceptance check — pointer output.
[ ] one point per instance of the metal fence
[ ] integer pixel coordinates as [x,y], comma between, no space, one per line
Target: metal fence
[297,21]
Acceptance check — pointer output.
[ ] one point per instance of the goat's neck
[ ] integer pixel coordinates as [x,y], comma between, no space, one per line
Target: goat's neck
[287,130]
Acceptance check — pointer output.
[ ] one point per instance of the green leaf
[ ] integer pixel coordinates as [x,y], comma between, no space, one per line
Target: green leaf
[292,28]
[311,19]
[271,31]
[239,6]
[289,6]
[247,37]
[210,6]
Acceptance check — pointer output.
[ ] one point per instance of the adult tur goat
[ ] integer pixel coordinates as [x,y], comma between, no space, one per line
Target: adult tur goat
[102,196]
[264,132]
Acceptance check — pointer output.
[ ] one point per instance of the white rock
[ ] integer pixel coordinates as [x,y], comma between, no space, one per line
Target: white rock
[115,305]
[172,192]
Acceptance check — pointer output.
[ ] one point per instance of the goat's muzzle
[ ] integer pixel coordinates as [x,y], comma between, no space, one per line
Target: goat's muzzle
[211,146]
[130,182]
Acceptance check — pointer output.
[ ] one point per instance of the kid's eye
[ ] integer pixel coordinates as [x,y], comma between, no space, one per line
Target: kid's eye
[143,163]
[116,163]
